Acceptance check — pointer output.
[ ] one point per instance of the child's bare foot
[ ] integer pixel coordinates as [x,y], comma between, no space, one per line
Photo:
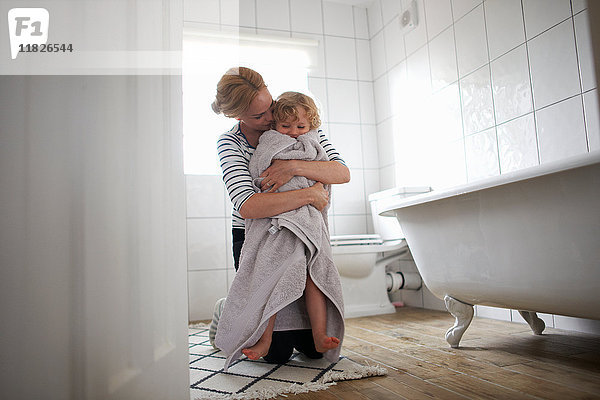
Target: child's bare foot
[260,349]
[326,343]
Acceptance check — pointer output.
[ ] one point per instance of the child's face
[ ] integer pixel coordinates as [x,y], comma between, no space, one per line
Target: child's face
[294,128]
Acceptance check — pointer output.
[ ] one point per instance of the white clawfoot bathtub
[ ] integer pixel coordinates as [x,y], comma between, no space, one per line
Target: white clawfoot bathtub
[527,240]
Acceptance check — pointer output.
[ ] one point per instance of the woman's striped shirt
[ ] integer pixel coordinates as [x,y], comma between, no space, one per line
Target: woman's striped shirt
[234,154]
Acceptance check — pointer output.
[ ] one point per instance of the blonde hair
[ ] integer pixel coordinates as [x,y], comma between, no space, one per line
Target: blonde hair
[236,90]
[287,107]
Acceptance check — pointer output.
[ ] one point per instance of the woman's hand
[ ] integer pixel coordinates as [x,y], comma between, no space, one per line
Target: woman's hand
[278,174]
[320,196]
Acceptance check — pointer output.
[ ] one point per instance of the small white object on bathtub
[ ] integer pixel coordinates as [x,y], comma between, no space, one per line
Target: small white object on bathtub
[528,240]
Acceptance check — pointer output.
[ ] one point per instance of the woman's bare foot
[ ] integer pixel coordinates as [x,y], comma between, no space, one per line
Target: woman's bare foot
[260,349]
[325,343]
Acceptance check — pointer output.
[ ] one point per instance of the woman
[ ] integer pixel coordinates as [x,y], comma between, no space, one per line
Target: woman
[242,94]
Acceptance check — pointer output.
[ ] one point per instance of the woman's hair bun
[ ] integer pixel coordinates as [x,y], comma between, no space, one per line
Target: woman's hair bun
[215,107]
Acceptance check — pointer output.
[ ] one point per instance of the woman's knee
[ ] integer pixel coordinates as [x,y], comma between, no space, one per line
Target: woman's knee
[281,348]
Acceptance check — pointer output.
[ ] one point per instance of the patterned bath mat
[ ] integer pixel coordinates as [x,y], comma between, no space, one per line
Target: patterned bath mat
[247,379]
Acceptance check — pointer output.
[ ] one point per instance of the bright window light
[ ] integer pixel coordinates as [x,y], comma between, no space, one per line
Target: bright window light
[283,62]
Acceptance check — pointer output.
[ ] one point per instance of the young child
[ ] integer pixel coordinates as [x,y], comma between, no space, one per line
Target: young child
[296,114]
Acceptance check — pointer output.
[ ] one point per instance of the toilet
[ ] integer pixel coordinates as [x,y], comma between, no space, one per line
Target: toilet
[361,261]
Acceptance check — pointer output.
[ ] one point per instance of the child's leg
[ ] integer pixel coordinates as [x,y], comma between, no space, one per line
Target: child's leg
[261,348]
[317,312]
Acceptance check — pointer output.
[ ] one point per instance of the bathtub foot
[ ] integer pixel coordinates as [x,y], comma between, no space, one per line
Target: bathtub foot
[464,315]
[535,323]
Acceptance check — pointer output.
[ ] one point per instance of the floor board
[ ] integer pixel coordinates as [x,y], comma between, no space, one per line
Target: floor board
[496,360]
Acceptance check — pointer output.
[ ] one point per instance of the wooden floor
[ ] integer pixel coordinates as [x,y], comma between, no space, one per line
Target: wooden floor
[496,360]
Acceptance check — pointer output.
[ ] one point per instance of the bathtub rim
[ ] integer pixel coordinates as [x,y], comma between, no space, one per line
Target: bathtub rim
[582,160]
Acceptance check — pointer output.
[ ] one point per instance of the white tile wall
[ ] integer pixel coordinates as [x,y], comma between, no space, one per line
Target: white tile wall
[343,101]
[378,61]
[347,140]
[205,288]
[398,87]
[493,312]
[517,144]
[511,85]
[462,7]
[390,9]
[471,43]
[439,16]
[418,72]
[592,119]
[447,124]
[272,15]
[381,91]
[561,130]
[318,87]
[361,26]
[363,60]
[349,198]
[476,97]
[387,177]
[206,11]
[306,16]
[343,84]
[206,243]
[543,14]
[338,19]
[576,324]
[442,57]
[385,143]
[366,102]
[350,224]
[374,18]
[552,55]
[340,57]
[247,16]
[230,12]
[504,23]
[371,186]
[584,51]
[370,152]
[393,43]
[579,5]
[481,150]
[201,192]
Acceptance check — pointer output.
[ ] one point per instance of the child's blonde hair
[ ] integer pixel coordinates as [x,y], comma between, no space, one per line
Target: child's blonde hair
[236,90]
[287,107]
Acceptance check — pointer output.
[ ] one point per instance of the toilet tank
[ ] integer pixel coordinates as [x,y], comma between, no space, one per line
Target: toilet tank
[388,227]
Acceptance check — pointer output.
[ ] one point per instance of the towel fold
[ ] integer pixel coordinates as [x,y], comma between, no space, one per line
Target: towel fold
[276,256]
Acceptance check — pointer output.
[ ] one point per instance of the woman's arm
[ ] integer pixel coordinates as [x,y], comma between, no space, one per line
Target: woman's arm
[329,172]
[281,171]
[263,205]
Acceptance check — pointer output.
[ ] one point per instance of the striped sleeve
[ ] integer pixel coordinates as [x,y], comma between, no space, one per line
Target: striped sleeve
[236,175]
[332,153]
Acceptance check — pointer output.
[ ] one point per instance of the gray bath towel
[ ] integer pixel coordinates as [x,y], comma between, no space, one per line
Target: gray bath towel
[276,255]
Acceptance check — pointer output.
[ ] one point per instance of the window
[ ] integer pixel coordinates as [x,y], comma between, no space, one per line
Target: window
[283,62]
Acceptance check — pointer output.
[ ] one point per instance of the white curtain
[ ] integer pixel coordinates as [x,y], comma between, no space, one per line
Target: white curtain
[93,292]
